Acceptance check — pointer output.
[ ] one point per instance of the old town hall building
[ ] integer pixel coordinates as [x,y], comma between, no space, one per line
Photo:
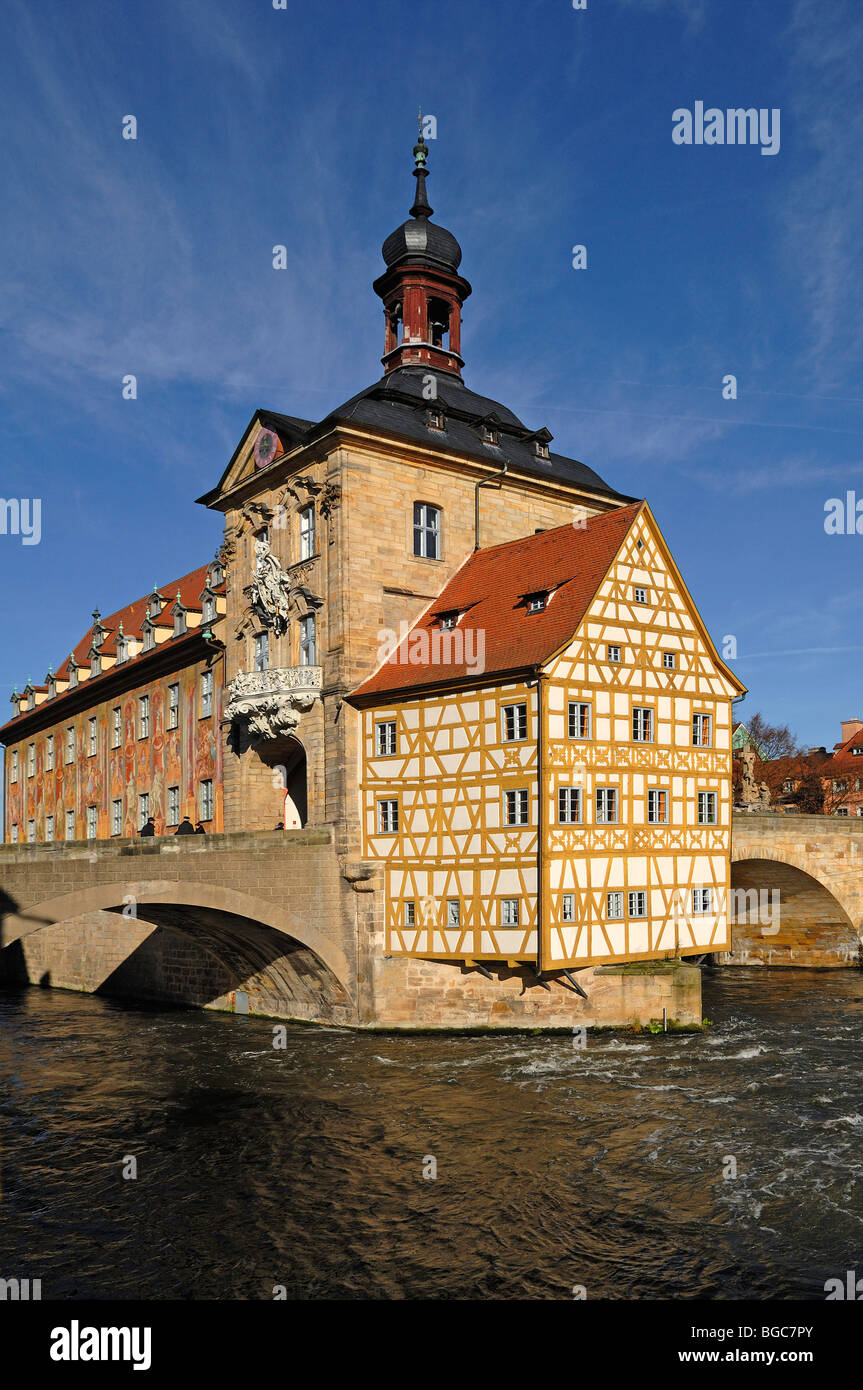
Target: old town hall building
[465,653]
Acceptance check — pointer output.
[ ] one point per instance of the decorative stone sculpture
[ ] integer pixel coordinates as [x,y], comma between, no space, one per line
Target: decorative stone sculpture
[269,703]
[749,794]
[270,590]
[764,792]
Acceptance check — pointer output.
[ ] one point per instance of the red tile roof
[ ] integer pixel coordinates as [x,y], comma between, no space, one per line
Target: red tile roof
[490,591]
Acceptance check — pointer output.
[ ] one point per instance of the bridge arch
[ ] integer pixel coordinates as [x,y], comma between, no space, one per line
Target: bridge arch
[784,913]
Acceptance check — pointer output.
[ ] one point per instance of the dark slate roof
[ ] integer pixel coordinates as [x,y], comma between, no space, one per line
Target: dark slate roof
[422,243]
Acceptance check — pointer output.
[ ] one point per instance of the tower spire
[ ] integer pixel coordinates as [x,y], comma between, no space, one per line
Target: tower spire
[421,207]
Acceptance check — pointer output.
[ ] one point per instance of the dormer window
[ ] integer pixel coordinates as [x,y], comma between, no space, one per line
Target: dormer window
[52,687]
[490,435]
[208,608]
[435,418]
[95,664]
[541,449]
[537,603]
[179,622]
[122,647]
[31,698]
[155,604]
[857,752]
[449,620]
[149,637]
[215,575]
[73,675]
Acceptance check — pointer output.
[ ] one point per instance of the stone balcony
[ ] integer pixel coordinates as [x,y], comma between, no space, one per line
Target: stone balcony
[268,704]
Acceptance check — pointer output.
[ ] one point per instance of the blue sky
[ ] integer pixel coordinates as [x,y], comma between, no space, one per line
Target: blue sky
[259,127]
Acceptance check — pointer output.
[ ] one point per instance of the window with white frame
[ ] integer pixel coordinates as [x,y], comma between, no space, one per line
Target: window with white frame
[70,745]
[95,664]
[388,816]
[606,805]
[385,738]
[453,912]
[707,808]
[173,805]
[148,637]
[410,913]
[13,769]
[427,531]
[49,827]
[49,753]
[702,730]
[638,904]
[173,706]
[509,912]
[307,533]
[179,622]
[569,805]
[514,722]
[701,900]
[262,651]
[669,660]
[578,719]
[613,653]
[92,737]
[640,594]
[206,799]
[91,822]
[842,811]
[516,808]
[642,724]
[308,646]
[206,694]
[657,806]
[567,908]
[31,760]
[73,676]
[537,603]
[116,727]
[117,817]
[614,907]
[208,609]
[70,825]
[143,809]
[143,716]
[31,832]
[14,834]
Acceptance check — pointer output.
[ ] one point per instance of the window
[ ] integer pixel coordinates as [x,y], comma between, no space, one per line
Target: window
[707,808]
[613,653]
[657,806]
[116,817]
[638,904]
[701,730]
[490,434]
[385,738]
[426,531]
[541,449]
[122,645]
[49,753]
[410,917]
[173,805]
[92,737]
[143,809]
[701,900]
[154,604]
[453,912]
[31,832]
[91,822]
[13,773]
[70,825]
[606,805]
[448,621]
[307,533]
[516,809]
[49,827]
[31,762]
[149,637]
[206,694]
[837,785]
[642,725]
[179,622]
[262,651]
[509,912]
[567,911]
[788,785]
[669,661]
[206,799]
[95,664]
[14,834]
[640,595]
[569,805]
[215,575]
[614,907]
[435,419]
[857,751]
[842,811]
[537,603]
[116,727]
[143,716]
[73,675]
[70,745]
[579,720]
[173,706]
[514,722]
[388,816]
[208,609]
[308,651]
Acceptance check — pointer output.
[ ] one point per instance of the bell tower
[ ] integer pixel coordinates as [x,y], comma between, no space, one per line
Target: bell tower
[421,288]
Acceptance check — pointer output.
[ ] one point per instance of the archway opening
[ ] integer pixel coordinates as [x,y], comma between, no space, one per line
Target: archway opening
[781,915]
[286,757]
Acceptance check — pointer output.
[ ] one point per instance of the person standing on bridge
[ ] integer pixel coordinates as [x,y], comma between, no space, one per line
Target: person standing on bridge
[199,829]
[185,827]
[149,827]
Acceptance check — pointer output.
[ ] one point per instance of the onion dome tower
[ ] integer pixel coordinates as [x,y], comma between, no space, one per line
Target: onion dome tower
[421,288]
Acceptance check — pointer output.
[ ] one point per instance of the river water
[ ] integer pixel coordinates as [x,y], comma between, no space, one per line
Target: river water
[557,1167]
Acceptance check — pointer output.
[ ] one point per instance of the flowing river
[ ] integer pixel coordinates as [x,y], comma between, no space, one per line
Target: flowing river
[610,1167]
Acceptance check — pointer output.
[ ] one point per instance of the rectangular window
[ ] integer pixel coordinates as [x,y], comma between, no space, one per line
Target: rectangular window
[669,661]
[91,822]
[701,900]
[143,809]
[606,805]
[613,653]
[426,531]
[14,834]
[388,816]
[31,832]
[657,806]
[567,912]
[514,722]
[843,811]
[614,907]
[642,724]
[569,805]
[70,825]
[509,912]
[308,645]
[31,762]
[206,694]
[262,651]
[206,799]
[516,807]
[536,603]
[208,609]
[92,737]
[307,533]
[410,914]
[116,817]
[453,912]
[70,745]
[49,754]
[173,706]
[579,720]
[701,730]
[385,738]
[116,727]
[143,716]
[173,805]
[707,808]
[13,774]
[638,904]
[49,827]
[640,595]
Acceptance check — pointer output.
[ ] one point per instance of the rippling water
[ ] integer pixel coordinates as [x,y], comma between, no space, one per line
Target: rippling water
[556,1167]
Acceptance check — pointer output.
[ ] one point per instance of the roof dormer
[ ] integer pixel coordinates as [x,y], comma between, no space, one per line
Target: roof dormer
[155,603]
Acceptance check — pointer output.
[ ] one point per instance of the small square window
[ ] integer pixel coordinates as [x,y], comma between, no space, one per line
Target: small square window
[537,603]
[410,915]
[567,911]
[638,904]
[640,594]
[614,907]
[453,912]
[613,653]
[669,661]
[701,900]
[509,912]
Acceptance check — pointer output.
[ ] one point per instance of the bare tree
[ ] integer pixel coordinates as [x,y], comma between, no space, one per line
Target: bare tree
[772,740]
